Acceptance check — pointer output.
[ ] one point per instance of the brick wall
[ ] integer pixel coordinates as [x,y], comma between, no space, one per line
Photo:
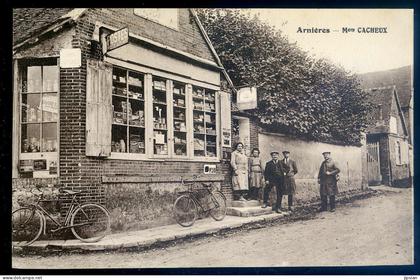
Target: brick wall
[188,38]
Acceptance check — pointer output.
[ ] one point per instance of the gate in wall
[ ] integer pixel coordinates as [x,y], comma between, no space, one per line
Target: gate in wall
[373,164]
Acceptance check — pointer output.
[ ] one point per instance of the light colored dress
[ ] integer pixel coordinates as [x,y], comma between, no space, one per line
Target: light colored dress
[255,169]
[239,163]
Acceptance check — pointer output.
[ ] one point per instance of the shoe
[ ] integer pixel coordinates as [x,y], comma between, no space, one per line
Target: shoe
[241,198]
[278,211]
[322,209]
[332,210]
[291,209]
[264,205]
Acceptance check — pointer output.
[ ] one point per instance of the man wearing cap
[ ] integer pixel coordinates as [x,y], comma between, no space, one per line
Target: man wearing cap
[288,185]
[273,174]
[327,179]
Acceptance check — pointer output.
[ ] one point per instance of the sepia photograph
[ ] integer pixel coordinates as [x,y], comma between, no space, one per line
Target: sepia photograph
[212,138]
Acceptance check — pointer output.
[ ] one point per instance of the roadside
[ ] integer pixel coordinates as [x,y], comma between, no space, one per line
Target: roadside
[373,231]
[173,234]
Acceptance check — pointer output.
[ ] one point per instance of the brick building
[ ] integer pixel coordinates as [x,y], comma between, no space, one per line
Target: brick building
[388,140]
[126,124]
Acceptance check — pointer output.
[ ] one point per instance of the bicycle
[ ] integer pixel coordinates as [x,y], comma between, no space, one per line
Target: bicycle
[89,222]
[186,206]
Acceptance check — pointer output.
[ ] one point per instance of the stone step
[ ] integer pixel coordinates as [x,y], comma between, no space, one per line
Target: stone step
[248,211]
[249,203]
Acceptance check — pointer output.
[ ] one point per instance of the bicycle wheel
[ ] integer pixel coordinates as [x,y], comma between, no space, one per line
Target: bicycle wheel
[90,222]
[219,211]
[185,211]
[27,224]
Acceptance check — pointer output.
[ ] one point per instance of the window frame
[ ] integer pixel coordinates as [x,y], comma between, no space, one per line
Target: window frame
[171,78]
[20,65]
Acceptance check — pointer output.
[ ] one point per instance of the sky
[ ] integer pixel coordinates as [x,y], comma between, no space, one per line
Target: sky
[357,52]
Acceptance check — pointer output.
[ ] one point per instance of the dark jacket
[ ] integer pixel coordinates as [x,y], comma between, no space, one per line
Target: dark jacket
[328,183]
[274,172]
[289,185]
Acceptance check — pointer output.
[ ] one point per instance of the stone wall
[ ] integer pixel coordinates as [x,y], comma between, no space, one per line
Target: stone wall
[308,156]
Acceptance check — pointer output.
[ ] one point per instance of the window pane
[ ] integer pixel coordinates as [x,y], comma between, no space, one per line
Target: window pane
[30,138]
[31,108]
[49,137]
[50,107]
[137,140]
[50,79]
[120,110]
[160,117]
[34,78]
[179,125]
[119,138]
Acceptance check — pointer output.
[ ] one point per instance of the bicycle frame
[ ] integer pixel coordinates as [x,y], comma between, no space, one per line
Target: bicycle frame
[193,196]
[60,226]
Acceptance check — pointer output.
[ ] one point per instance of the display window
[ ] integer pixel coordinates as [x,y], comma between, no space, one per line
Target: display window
[39,115]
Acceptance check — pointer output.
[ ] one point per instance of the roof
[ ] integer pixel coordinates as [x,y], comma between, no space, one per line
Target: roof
[400,77]
[30,21]
[382,97]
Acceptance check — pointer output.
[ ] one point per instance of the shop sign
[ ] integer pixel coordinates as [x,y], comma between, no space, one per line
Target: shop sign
[225,116]
[247,98]
[209,168]
[117,39]
[26,165]
[70,58]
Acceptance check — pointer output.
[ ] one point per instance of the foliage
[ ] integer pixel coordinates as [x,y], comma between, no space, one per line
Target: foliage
[298,94]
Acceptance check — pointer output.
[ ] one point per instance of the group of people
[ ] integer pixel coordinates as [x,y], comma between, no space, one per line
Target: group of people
[249,177]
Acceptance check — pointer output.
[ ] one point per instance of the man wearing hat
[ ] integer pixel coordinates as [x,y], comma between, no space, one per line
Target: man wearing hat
[327,179]
[273,174]
[288,186]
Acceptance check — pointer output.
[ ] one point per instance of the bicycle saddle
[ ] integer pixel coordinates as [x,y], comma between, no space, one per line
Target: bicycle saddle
[71,192]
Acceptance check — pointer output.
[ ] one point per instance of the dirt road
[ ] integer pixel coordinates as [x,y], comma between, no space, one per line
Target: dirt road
[373,231]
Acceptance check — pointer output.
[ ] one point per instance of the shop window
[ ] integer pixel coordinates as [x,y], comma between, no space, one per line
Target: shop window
[39,86]
[156,117]
[160,116]
[128,119]
[204,118]
[180,144]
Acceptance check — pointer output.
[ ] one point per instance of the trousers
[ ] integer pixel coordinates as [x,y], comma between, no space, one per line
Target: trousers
[267,191]
[324,202]
[289,200]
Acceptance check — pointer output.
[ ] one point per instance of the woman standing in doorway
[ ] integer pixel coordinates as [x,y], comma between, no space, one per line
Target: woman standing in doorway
[239,163]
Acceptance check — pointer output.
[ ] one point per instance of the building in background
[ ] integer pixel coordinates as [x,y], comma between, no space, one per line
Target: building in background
[388,141]
[402,78]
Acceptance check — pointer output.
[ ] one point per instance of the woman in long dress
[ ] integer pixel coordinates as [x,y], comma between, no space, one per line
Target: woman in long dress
[239,163]
[256,180]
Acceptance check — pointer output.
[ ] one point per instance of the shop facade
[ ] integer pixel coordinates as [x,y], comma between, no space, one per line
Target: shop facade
[123,123]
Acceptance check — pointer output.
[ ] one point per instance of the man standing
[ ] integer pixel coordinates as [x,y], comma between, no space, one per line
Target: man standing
[327,179]
[289,185]
[273,174]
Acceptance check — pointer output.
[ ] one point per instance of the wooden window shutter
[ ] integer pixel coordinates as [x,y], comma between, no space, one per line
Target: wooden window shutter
[98,108]
[225,119]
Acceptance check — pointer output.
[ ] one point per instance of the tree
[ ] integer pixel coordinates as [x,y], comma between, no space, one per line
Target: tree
[298,94]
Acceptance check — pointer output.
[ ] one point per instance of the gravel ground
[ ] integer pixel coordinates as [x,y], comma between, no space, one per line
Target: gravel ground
[373,231]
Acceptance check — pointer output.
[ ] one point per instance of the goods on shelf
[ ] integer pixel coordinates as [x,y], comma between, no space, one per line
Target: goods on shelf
[198,105]
[198,92]
[136,144]
[160,85]
[137,118]
[179,90]
[134,81]
[198,144]
[159,123]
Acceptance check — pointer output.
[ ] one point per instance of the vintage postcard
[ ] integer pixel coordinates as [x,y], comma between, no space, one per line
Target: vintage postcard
[191,138]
